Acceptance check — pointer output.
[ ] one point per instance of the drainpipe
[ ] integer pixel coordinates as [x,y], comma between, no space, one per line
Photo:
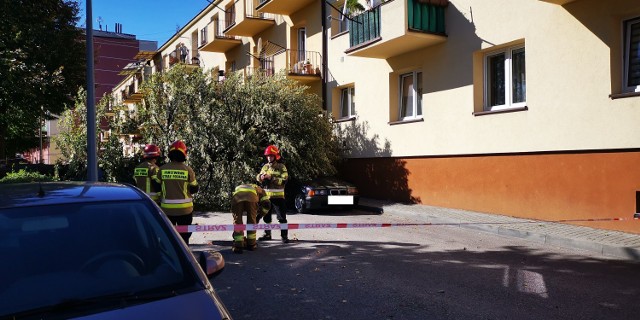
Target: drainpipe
[324,54]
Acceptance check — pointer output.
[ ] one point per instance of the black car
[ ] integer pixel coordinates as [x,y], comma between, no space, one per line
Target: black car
[98,251]
[323,192]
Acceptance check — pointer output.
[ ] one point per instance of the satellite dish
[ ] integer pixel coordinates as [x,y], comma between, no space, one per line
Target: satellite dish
[259,45]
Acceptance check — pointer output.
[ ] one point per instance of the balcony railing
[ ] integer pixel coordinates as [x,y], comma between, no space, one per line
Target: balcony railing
[409,25]
[364,27]
[184,56]
[244,20]
[219,42]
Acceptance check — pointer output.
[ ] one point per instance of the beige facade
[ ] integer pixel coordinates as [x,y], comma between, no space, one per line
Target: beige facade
[527,108]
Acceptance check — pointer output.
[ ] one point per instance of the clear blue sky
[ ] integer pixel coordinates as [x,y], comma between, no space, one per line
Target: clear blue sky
[154,20]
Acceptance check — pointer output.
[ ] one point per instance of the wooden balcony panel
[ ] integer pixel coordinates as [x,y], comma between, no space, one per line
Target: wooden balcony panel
[284,7]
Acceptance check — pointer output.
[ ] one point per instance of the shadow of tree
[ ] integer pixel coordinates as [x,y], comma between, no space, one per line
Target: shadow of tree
[379,175]
[404,280]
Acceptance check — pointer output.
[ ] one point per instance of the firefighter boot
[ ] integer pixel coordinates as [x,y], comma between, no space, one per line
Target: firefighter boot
[265,236]
[251,245]
[285,236]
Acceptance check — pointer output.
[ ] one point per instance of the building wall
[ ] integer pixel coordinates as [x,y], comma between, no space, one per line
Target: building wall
[573,152]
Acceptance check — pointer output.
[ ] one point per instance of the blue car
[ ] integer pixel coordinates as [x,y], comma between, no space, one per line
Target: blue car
[98,251]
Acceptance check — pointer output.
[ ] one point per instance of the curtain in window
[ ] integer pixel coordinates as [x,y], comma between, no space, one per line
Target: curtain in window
[344,103]
[496,80]
[419,94]
[633,78]
[518,76]
[407,96]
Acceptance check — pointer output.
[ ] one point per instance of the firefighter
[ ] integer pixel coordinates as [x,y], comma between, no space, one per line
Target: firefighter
[248,198]
[273,176]
[178,183]
[146,173]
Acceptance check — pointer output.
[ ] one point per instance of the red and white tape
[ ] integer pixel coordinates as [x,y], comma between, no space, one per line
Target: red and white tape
[293,226]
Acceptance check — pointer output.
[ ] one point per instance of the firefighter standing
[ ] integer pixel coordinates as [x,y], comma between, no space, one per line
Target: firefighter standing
[146,173]
[273,177]
[248,198]
[178,183]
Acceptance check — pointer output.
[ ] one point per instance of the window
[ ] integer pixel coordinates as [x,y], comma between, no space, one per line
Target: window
[505,79]
[632,56]
[347,102]
[410,95]
[203,36]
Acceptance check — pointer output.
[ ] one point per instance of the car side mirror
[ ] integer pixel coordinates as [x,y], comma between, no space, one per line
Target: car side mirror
[211,262]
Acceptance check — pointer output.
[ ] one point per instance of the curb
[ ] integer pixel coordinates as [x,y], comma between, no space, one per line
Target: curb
[621,252]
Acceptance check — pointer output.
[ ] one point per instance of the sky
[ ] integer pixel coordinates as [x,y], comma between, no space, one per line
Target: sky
[154,20]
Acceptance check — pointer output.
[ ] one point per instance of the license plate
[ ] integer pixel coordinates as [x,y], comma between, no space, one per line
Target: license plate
[340,200]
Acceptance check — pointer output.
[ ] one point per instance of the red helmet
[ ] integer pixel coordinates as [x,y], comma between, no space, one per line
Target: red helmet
[151,151]
[272,150]
[179,145]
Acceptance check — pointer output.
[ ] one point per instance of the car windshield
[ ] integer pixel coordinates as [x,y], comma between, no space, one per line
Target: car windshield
[88,253]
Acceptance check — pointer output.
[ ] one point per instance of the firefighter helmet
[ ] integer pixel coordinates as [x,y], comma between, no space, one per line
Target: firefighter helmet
[151,151]
[180,146]
[272,150]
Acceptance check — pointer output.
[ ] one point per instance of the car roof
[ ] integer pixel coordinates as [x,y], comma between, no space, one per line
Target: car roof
[50,193]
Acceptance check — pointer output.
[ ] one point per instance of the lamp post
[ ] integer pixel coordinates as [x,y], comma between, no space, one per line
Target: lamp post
[92,163]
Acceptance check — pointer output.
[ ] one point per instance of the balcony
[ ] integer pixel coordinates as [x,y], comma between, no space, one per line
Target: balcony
[302,66]
[244,20]
[219,41]
[139,72]
[283,7]
[181,55]
[396,27]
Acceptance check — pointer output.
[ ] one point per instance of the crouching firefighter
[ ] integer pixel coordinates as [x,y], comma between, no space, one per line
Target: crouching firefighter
[253,200]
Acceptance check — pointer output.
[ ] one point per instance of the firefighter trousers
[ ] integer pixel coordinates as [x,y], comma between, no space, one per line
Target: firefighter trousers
[238,209]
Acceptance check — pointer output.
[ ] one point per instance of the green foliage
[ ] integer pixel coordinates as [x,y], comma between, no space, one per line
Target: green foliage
[72,142]
[25,176]
[42,65]
[228,125]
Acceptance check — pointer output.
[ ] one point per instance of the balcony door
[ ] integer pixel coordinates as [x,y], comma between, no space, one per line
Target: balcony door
[302,44]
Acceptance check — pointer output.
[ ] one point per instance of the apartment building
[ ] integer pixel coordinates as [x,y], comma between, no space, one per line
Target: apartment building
[527,108]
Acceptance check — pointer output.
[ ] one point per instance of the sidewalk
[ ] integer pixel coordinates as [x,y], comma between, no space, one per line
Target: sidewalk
[616,244]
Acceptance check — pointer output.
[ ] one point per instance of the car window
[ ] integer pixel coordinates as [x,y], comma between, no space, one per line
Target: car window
[78,251]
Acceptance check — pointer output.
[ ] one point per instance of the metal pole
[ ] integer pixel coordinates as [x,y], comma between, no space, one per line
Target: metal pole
[92,163]
[325,41]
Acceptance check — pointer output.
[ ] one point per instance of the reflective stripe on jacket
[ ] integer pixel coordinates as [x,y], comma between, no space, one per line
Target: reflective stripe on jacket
[176,177]
[279,177]
[143,174]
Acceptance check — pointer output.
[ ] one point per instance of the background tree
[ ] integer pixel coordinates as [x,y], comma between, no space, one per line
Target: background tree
[42,65]
[72,142]
[227,126]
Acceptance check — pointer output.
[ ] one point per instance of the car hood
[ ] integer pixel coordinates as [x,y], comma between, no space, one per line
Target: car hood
[196,305]
[328,182]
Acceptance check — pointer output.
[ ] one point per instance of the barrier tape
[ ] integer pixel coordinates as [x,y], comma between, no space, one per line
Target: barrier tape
[296,226]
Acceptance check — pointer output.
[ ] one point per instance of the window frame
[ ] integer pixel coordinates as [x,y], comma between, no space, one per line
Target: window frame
[508,79]
[627,25]
[351,108]
[417,94]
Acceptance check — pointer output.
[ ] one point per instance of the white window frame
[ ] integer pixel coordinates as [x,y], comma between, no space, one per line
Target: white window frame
[508,81]
[416,95]
[628,24]
[351,103]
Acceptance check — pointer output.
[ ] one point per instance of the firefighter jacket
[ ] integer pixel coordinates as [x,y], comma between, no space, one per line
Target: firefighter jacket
[252,193]
[178,183]
[146,177]
[279,176]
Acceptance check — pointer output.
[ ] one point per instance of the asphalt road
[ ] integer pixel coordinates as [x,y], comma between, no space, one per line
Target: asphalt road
[424,272]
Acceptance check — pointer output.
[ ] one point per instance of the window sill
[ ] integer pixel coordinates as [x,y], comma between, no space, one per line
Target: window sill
[483,113]
[391,123]
[352,118]
[614,96]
